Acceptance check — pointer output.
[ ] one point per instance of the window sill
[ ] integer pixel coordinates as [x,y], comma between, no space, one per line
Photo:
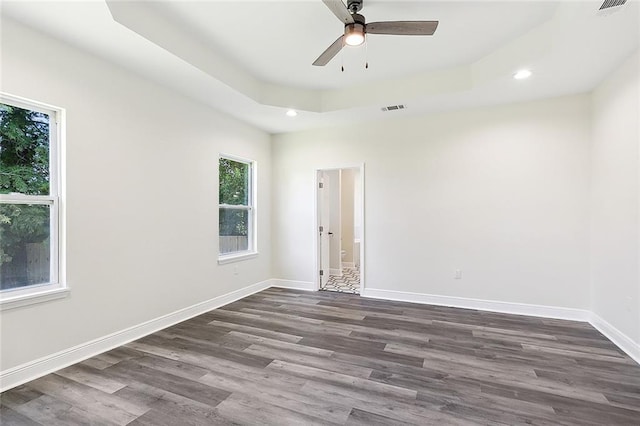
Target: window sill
[24,299]
[223,260]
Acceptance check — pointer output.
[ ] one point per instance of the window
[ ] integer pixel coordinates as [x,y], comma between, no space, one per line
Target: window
[29,201]
[236,208]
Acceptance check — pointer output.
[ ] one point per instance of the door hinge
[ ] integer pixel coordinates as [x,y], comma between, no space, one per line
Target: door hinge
[320,185]
[321,272]
[322,229]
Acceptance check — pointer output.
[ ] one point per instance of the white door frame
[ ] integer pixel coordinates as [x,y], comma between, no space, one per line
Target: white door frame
[316,222]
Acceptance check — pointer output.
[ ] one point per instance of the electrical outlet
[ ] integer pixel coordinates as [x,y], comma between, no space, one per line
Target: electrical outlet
[457,274]
[235,270]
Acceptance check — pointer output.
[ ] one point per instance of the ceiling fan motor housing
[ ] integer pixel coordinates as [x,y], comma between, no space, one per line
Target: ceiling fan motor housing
[358,19]
[359,23]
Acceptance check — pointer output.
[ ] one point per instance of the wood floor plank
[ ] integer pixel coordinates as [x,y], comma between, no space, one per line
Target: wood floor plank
[251,411]
[282,357]
[18,396]
[179,385]
[592,382]
[105,407]
[329,313]
[9,417]
[168,409]
[316,374]
[176,368]
[279,345]
[114,356]
[209,349]
[561,403]
[354,346]
[218,365]
[282,325]
[89,376]
[391,336]
[398,410]
[310,360]
[277,314]
[288,398]
[630,401]
[50,411]
[364,418]
[257,331]
[96,363]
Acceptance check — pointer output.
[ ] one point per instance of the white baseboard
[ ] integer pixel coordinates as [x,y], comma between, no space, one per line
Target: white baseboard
[481,305]
[620,339]
[336,272]
[295,285]
[48,364]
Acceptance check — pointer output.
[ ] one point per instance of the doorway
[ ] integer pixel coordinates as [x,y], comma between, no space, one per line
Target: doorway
[340,229]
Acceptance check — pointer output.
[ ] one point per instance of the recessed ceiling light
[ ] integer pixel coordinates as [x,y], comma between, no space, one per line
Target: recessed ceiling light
[522,74]
[292,113]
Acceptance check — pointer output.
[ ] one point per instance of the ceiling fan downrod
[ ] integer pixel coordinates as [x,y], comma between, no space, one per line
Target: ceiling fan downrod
[354,6]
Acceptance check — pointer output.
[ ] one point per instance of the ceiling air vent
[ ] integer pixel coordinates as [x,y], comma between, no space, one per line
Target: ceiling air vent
[393,107]
[611,3]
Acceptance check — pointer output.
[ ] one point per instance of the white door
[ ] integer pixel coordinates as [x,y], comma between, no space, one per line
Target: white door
[323,227]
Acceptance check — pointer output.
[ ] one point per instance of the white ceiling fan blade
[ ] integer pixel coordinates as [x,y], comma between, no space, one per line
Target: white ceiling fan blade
[402,27]
[331,51]
[340,10]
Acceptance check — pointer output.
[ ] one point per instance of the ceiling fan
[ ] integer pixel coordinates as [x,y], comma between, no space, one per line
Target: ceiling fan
[355,28]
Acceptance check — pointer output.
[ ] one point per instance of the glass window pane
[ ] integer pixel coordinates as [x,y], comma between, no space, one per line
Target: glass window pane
[24,245]
[234,230]
[24,151]
[234,182]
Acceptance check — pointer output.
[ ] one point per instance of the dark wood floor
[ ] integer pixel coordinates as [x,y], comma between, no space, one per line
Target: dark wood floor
[287,357]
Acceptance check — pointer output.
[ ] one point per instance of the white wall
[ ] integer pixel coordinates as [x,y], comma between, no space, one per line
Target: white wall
[501,193]
[142,220]
[615,201]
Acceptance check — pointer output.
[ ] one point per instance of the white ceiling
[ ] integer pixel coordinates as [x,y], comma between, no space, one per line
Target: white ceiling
[252,59]
[278,40]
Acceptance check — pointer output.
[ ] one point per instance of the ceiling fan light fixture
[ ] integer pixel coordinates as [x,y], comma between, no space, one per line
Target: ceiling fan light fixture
[354,34]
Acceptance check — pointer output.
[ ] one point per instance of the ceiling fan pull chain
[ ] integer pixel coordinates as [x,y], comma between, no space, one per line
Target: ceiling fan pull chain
[366,54]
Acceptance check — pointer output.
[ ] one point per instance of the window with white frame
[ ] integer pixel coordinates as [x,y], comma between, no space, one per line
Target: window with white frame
[29,198]
[236,207]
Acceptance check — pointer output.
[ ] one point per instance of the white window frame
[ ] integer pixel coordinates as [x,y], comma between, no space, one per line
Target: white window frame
[252,249]
[56,288]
